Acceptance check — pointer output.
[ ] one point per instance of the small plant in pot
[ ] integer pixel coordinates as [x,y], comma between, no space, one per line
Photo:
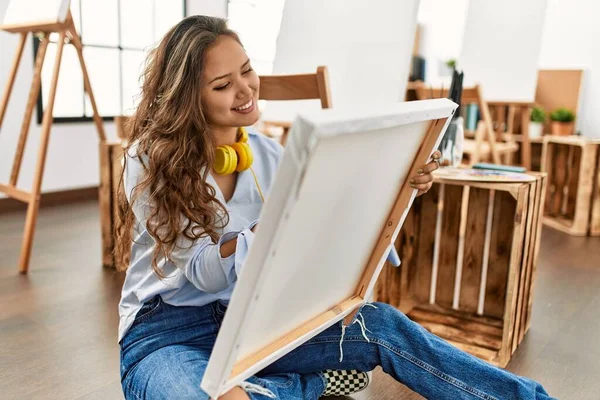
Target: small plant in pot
[536,124]
[562,122]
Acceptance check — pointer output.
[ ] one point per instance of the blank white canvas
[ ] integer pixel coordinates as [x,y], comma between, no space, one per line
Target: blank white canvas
[366,45]
[501,47]
[35,11]
[339,177]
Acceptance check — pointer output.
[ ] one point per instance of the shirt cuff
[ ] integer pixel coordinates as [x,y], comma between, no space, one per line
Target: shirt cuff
[244,241]
[226,237]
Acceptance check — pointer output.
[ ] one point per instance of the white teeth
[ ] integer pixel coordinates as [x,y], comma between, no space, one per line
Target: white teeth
[245,106]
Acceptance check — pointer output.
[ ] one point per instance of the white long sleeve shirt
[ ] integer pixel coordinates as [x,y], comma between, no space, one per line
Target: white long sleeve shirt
[198,275]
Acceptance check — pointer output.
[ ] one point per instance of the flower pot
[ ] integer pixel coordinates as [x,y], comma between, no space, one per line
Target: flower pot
[535,129]
[562,128]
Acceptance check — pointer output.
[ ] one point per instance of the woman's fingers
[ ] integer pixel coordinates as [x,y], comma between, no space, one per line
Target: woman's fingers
[425,178]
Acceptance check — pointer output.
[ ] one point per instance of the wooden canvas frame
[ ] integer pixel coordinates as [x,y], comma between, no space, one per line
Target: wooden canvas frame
[225,370]
[67,32]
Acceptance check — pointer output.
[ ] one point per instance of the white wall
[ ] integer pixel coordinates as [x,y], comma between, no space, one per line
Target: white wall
[72,160]
[213,8]
[570,40]
[366,46]
[501,47]
[442,28]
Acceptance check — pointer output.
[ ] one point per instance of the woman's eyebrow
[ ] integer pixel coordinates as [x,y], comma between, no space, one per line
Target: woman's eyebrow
[226,75]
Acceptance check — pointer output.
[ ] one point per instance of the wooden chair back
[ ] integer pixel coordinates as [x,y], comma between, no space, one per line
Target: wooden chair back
[295,87]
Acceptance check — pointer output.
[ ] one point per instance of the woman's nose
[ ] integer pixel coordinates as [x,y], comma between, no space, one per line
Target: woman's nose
[244,91]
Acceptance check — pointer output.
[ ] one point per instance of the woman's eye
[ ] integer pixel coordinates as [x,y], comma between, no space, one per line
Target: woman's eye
[222,87]
[246,71]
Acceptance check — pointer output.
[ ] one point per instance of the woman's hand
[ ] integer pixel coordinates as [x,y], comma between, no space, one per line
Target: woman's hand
[424,180]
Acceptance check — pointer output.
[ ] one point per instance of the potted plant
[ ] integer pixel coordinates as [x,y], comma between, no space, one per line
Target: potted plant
[562,122]
[536,123]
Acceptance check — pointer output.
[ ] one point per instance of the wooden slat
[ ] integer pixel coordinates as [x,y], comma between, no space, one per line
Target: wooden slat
[104,199]
[15,193]
[458,335]
[420,275]
[12,76]
[521,265]
[480,319]
[533,253]
[31,103]
[323,86]
[449,245]
[41,26]
[572,181]
[587,172]
[122,123]
[289,87]
[512,281]
[462,233]
[407,250]
[562,224]
[560,175]
[500,252]
[466,325]
[474,244]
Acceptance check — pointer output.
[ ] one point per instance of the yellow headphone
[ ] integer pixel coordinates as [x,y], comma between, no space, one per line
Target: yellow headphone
[237,157]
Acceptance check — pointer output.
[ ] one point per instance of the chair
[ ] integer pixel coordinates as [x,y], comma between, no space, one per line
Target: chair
[295,87]
[477,149]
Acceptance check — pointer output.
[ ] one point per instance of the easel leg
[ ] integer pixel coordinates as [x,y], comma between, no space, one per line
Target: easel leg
[11,77]
[33,96]
[34,203]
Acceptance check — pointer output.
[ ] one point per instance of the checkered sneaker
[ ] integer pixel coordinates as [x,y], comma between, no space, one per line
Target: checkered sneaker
[343,383]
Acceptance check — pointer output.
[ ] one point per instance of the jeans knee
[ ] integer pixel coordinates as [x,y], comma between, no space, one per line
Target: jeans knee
[386,316]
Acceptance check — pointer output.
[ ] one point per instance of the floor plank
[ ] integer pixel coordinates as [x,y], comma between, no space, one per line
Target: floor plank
[58,325]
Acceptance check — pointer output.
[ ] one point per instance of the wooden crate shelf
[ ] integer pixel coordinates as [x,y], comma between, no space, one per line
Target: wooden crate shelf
[469,254]
[111,154]
[573,198]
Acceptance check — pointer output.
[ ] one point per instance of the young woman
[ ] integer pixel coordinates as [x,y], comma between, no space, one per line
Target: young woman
[186,224]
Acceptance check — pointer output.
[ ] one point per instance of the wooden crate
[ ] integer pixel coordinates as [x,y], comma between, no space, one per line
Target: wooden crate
[536,152]
[111,154]
[573,198]
[469,254]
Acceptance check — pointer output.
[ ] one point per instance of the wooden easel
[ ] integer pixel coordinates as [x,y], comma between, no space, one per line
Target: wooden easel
[67,32]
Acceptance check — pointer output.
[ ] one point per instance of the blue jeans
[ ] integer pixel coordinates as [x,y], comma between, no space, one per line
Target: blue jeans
[165,353]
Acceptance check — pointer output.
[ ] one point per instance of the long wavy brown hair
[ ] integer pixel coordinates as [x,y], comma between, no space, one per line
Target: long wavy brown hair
[172,136]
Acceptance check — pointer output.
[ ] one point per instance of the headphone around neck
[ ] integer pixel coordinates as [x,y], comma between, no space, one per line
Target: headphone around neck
[237,157]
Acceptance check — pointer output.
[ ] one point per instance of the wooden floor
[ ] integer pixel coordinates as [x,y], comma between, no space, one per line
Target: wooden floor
[58,325]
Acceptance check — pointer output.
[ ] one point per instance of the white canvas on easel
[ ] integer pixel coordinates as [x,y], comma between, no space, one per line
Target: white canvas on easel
[366,47]
[338,201]
[501,48]
[32,12]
